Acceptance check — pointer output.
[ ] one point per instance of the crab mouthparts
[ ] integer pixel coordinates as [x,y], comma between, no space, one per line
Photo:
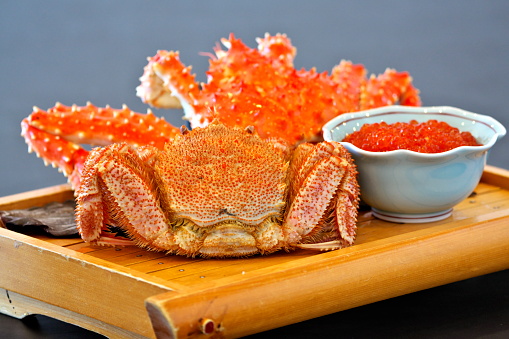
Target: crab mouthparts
[229,240]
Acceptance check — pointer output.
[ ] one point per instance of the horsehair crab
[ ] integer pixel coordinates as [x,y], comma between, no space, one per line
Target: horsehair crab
[219,191]
[261,87]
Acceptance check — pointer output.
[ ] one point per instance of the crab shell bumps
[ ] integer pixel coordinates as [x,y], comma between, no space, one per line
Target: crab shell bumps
[219,192]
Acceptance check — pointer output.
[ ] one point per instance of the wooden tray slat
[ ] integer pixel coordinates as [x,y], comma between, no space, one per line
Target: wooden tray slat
[111,289]
[69,280]
[331,282]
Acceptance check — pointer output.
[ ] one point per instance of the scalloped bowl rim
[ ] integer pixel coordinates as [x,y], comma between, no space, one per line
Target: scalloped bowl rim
[498,129]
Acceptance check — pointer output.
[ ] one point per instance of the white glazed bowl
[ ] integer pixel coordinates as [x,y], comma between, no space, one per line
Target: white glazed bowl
[407,186]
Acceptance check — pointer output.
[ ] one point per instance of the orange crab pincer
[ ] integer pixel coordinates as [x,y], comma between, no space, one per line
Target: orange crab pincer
[219,191]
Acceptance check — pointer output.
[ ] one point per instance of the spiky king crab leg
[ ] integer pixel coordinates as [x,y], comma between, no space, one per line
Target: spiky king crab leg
[260,87]
[55,135]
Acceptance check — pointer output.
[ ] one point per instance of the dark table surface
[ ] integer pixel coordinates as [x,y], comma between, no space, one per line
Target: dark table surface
[79,51]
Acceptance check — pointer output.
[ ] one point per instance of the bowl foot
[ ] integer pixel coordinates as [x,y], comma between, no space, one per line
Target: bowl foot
[411,218]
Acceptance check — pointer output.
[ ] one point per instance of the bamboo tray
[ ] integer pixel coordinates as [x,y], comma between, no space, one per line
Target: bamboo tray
[131,293]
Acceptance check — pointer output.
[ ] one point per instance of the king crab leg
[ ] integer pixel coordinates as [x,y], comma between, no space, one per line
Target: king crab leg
[388,88]
[68,157]
[242,80]
[160,88]
[56,134]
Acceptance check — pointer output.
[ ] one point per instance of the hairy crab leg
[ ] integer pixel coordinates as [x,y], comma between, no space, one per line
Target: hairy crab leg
[306,156]
[90,208]
[56,134]
[327,173]
[120,185]
[314,197]
[347,204]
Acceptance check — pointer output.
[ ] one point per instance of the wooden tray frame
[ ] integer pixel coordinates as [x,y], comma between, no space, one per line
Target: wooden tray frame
[131,293]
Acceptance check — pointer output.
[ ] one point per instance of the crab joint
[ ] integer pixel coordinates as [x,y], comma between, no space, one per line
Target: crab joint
[250,129]
[207,326]
[184,130]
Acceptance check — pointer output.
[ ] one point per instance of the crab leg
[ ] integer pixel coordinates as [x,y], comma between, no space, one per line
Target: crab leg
[278,48]
[359,93]
[167,83]
[56,134]
[305,158]
[66,156]
[166,80]
[318,190]
[122,187]
[389,88]
[350,78]
[325,172]
[347,204]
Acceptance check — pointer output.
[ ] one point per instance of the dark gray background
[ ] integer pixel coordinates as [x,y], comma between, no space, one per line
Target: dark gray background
[79,51]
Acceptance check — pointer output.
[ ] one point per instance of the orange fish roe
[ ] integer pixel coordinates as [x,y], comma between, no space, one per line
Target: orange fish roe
[431,136]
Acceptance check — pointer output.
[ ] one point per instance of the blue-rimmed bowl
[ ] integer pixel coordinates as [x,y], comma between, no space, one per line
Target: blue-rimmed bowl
[407,186]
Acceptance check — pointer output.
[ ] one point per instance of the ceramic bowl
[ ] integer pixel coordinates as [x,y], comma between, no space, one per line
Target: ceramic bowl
[412,187]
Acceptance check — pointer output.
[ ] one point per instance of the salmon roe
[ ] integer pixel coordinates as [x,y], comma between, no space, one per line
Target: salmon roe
[431,136]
